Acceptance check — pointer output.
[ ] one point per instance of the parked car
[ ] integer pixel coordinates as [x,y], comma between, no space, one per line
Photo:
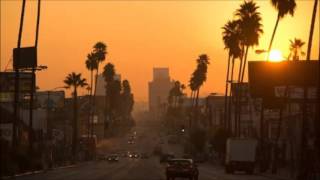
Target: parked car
[184,168]
[240,155]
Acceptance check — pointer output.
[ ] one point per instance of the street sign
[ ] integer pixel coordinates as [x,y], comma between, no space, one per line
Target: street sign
[268,79]
[27,58]
[7,81]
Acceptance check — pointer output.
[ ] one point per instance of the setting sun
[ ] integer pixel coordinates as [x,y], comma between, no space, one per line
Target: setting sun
[275,55]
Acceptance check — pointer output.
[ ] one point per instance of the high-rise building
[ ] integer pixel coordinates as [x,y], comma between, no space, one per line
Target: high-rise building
[159,89]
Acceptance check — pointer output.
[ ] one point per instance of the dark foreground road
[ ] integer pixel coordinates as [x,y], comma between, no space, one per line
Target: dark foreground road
[132,169]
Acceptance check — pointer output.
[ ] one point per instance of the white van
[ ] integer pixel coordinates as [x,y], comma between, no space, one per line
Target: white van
[240,155]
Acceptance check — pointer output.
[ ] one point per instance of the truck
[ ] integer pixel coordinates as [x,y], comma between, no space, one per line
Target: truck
[240,155]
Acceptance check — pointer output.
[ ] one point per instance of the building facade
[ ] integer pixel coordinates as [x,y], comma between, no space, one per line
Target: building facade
[159,89]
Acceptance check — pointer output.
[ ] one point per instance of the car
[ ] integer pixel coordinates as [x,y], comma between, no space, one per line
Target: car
[113,158]
[183,168]
[134,155]
[166,157]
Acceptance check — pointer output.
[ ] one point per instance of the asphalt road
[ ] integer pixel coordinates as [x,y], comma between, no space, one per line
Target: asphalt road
[132,169]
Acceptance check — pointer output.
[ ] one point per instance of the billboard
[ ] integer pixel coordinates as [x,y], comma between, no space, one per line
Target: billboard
[27,58]
[7,81]
[50,99]
[268,79]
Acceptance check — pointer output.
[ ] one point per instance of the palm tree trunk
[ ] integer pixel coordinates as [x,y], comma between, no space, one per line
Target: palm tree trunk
[226,96]
[75,125]
[244,64]
[237,114]
[94,98]
[272,37]
[191,114]
[90,119]
[196,107]
[241,62]
[312,28]
[230,95]
[91,82]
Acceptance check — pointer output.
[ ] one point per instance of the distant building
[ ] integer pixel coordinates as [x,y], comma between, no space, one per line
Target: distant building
[159,88]
[101,84]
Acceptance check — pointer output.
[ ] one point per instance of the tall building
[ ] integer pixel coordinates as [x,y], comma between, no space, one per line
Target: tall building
[159,89]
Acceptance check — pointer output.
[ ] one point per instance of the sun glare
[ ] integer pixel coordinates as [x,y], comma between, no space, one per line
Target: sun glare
[275,56]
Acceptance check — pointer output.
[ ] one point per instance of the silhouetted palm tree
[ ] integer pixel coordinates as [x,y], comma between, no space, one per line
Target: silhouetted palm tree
[199,76]
[100,51]
[108,74]
[295,49]
[231,39]
[127,99]
[91,64]
[283,7]
[74,80]
[250,28]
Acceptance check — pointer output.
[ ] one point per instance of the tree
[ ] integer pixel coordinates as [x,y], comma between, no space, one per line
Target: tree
[295,49]
[108,74]
[283,7]
[99,52]
[231,39]
[199,76]
[127,100]
[74,80]
[91,65]
[250,28]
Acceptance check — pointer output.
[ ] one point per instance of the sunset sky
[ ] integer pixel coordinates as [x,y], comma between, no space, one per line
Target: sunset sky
[141,35]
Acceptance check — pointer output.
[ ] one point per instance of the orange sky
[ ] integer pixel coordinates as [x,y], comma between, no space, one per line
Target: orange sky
[141,35]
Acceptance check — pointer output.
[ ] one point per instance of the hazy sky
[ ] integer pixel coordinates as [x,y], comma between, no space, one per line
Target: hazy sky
[141,35]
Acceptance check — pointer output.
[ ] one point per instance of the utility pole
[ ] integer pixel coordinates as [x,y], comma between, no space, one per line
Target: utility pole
[16,84]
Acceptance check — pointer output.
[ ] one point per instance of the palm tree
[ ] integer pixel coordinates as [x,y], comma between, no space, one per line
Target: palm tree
[99,54]
[231,37]
[283,7]
[108,74]
[74,80]
[91,64]
[199,76]
[295,49]
[250,28]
